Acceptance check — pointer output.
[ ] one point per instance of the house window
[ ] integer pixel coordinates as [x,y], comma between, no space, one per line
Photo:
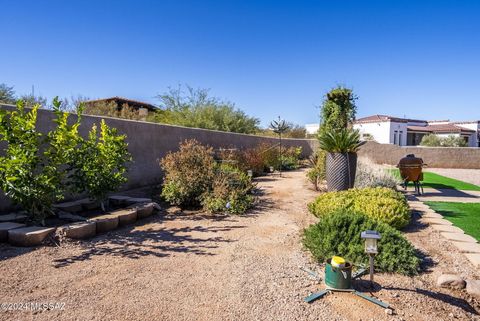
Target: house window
[395,133]
[400,134]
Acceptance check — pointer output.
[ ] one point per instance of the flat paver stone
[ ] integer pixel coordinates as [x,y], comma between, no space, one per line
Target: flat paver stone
[143,210]
[105,223]
[69,217]
[135,200]
[447,228]
[439,221]
[29,236]
[474,258]
[79,231]
[431,215]
[118,200]
[459,237]
[466,247]
[7,226]
[13,217]
[72,207]
[88,204]
[126,216]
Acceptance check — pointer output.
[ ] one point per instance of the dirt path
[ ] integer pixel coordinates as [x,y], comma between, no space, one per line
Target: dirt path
[238,268]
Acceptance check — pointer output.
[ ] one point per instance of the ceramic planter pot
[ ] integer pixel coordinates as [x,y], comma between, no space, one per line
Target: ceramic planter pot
[341,169]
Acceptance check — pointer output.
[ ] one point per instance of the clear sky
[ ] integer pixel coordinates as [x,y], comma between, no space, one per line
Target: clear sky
[420,59]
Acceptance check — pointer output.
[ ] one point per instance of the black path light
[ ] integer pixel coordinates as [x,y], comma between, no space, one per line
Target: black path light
[371,248]
[339,278]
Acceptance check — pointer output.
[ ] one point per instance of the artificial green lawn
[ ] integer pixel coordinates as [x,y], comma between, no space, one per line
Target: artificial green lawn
[438,181]
[463,215]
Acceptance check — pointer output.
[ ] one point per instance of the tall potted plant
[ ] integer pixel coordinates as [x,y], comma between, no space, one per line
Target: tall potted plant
[341,164]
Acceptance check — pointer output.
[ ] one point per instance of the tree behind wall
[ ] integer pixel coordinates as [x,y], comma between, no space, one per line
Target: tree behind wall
[432,140]
[195,108]
[7,94]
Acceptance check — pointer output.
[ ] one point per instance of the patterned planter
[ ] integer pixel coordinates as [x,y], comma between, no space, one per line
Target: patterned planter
[341,168]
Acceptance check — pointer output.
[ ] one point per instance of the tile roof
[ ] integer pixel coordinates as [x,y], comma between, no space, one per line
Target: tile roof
[382,118]
[441,128]
[122,100]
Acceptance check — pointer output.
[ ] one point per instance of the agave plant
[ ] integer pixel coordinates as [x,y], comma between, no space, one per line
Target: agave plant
[340,141]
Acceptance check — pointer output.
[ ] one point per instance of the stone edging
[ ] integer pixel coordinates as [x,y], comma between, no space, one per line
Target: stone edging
[466,244]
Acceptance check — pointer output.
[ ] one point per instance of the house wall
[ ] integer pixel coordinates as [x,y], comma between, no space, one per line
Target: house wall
[399,129]
[440,157]
[312,128]
[150,142]
[474,139]
[380,131]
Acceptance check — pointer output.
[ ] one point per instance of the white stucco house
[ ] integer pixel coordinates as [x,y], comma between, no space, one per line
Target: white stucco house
[386,129]
[409,132]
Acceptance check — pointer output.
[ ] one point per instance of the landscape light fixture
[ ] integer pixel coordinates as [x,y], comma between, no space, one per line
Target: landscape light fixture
[371,248]
[250,173]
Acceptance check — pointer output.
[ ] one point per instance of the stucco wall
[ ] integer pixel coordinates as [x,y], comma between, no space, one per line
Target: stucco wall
[149,142]
[380,131]
[440,157]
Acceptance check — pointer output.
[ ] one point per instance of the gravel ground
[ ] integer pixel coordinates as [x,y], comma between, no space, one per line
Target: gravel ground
[234,268]
[471,176]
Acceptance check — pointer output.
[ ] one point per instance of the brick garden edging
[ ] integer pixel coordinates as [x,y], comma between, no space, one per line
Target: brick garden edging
[135,208]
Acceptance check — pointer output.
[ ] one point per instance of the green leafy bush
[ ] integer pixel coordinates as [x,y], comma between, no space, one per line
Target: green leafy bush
[290,157]
[380,203]
[339,234]
[230,192]
[99,165]
[317,173]
[189,173]
[33,169]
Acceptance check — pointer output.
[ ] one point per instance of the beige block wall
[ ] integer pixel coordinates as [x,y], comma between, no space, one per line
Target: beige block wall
[150,142]
[440,157]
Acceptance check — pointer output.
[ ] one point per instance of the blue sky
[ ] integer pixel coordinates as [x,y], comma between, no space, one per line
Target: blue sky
[420,59]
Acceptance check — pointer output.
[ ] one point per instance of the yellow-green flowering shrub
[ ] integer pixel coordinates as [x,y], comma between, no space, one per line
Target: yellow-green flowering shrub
[383,204]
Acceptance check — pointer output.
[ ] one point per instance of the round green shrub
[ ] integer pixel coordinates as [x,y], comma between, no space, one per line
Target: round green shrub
[230,192]
[379,203]
[339,234]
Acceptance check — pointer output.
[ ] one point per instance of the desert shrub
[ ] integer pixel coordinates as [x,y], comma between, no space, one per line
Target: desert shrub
[380,203]
[33,169]
[370,174]
[252,159]
[432,140]
[230,192]
[263,156]
[99,165]
[316,174]
[339,234]
[189,173]
[290,157]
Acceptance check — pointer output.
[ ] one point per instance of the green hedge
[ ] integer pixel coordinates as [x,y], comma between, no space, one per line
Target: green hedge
[379,203]
[339,234]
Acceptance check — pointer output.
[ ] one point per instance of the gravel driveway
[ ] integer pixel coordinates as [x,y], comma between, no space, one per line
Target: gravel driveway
[237,268]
